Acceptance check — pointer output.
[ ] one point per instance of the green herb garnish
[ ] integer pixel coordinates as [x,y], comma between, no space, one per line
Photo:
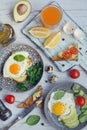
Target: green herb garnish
[58,95]
[19,57]
[22,86]
[32,120]
[34,73]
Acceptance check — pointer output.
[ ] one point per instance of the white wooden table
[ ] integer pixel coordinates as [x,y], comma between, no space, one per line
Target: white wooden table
[77,9]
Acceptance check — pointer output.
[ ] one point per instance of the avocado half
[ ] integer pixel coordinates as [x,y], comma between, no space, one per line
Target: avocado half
[21,10]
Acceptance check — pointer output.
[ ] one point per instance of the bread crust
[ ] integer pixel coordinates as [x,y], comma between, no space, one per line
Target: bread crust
[32,99]
[58,58]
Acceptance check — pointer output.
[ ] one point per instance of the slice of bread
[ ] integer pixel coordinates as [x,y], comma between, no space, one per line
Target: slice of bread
[60,57]
[32,99]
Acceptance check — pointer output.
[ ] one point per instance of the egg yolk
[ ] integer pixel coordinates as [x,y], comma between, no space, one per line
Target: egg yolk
[15,68]
[59,108]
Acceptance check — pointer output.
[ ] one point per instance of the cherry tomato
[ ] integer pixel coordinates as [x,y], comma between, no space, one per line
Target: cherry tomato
[80,101]
[74,73]
[73,50]
[67,55]
[10,99]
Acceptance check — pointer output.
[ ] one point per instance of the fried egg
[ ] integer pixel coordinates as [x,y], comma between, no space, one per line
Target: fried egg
[14,68]
[62,105]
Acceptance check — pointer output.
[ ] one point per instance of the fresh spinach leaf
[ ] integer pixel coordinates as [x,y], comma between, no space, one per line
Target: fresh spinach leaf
[22,86]
[32,120]
[19,57]
[58,95]
[34,73]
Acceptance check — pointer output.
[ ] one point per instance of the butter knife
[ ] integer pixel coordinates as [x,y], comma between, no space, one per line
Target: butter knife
[20,116]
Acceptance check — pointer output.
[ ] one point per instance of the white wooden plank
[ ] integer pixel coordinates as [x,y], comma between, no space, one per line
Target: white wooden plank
[77,9]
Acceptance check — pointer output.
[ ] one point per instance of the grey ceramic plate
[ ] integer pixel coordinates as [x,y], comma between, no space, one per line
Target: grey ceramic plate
[5,53]
[53,120]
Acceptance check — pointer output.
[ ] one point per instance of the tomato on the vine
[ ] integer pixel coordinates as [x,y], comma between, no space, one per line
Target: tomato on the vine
[80,101]
[10,99]
[74,73]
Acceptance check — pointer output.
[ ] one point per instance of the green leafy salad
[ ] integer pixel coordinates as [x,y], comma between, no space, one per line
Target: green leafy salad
[34,74]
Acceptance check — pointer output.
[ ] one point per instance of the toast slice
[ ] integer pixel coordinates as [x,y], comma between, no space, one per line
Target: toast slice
[71,53]
[32,99]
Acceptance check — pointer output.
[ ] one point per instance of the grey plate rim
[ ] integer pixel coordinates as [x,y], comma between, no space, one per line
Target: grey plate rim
[49,117]
[9,49]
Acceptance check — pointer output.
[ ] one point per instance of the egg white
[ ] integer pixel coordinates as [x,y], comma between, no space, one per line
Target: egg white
[67,99]
[23,65]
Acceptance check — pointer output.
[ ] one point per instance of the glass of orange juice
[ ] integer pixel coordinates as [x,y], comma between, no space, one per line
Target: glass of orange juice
[51,16]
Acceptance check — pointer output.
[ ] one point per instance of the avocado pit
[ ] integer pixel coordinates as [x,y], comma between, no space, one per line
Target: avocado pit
[22,9]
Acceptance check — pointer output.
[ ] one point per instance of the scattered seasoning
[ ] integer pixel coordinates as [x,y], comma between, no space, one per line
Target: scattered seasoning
[63,65]
[80,48]
[42,124]
[46,81]
[63,39]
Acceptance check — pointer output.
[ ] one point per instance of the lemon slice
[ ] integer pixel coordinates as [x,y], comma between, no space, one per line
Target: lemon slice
[40,32]
[53,40]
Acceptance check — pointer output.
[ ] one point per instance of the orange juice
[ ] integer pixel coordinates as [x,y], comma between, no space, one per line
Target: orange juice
[51,16]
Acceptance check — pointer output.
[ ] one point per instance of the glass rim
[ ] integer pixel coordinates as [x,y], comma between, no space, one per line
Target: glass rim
[52,5]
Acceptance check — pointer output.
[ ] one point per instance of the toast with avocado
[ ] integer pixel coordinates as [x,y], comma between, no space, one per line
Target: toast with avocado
[32,99]
[71,53]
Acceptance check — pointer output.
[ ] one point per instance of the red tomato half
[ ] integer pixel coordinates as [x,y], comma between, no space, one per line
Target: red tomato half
[80,101]
[74,50]
[67,55]
[74,73]
[10,99]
